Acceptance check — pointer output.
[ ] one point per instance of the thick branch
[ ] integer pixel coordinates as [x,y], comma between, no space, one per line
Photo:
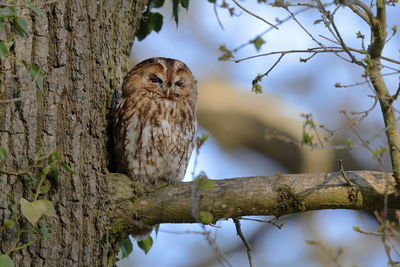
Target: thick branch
[132,208]
[378,37]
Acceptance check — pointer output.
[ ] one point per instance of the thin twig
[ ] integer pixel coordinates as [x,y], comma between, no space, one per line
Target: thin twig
[217,16]
[301,26]
[395,96]
[259,77]
[348,182]
[240,234]
[254,15]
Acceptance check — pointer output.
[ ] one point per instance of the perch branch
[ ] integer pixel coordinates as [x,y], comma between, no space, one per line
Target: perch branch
[132,207]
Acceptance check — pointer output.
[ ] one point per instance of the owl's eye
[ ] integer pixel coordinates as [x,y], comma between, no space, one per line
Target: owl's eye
[155,79]
[179,83]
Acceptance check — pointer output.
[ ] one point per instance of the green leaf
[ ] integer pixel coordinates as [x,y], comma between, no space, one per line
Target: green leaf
[357,228]
[45,232]
[46,206]
[394,29]
[54,156]
[258,42]
[33,211]
[185,3]
[30,211]
[206,217]
[21,26]
[200,140]
[156,3]
[151,22]
[36,74]
[3,154]
[8,224]
[126,247]
[8,12]
[317,21]
[203,183]
[3,50]
[257,88]
[67,168]
[44,189]
[349,142]
[35,9]
[175,10]
[6,261]
[380,4]
[307,139]
[146,245]
[157,228]
[212,1]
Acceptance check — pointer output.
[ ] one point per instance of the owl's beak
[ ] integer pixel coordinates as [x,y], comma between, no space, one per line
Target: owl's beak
[168,89]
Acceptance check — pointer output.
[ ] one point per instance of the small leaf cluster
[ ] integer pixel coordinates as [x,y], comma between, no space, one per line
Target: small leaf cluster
[153,21]
[126,245]
[43,167]
[19,26]
[203,184]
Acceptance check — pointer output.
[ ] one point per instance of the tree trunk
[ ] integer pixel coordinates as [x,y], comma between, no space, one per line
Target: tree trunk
[83,47]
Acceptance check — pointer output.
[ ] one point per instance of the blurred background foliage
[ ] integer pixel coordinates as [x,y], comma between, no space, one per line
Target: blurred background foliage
[239,123]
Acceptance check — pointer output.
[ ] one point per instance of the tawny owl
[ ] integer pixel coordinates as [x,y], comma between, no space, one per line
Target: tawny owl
[155,121]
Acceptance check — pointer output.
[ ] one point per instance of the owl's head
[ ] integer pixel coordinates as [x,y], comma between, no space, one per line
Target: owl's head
[165,78]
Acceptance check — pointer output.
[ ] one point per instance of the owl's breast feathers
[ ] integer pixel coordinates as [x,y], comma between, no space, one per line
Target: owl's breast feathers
[157,137]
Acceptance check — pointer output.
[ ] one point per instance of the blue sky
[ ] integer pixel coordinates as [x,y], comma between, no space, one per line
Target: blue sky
[305,87]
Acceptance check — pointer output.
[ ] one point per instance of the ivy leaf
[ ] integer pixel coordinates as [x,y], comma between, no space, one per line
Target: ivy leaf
[34,8]
[126,247]
[3,154]
[21,26]
[8,224]
[156,229]
[30,211]
[6,261]
[67,168]
[33,211]
[156,3]
[146,244]
[36,74]
[175,10]
[185,3]
[54,156]
[8,12]
[3,50]
[45,231]
[151,22]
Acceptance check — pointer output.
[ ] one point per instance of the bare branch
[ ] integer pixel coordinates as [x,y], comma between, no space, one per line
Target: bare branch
[277,195]
[247,245]
[254,15]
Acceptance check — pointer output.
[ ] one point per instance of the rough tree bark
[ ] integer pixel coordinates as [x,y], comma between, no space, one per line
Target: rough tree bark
[82,46]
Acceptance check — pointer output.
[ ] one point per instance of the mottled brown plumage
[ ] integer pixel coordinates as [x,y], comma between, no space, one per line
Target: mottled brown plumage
[155,121]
